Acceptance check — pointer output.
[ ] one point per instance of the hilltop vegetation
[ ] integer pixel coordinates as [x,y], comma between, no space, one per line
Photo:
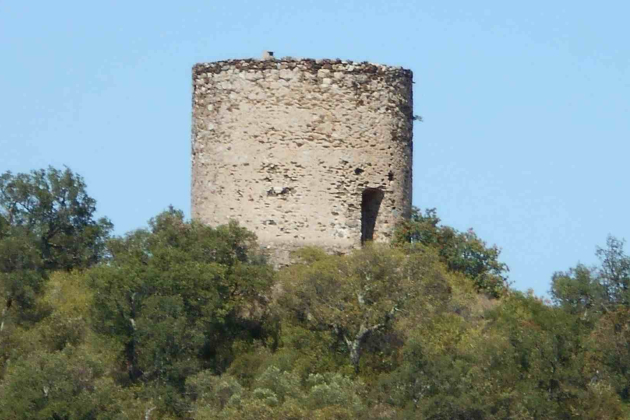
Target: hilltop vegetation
[184,321]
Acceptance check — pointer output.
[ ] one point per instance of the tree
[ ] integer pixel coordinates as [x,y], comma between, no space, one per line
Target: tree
[462,252]
[177,294]
[614,273]
[21,277]
[277,395]
[46,223]
[361,295]
[54,206]
[522,359]
[579,292]
[609,351]
[598,289]
[600,297]
[70,384]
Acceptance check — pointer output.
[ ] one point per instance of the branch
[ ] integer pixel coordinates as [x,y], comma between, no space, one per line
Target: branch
[147,414]
[4,312]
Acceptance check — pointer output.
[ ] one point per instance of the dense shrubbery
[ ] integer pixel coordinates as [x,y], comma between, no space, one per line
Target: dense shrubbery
[182,320]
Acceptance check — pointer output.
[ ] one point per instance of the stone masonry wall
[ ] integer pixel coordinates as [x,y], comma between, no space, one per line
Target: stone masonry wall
[302,152]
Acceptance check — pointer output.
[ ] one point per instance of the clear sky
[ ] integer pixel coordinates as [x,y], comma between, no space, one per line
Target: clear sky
[525,104]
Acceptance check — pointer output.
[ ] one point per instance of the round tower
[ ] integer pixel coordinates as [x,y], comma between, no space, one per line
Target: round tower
[302,152]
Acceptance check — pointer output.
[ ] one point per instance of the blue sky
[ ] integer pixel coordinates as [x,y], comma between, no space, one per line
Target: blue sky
[525,104]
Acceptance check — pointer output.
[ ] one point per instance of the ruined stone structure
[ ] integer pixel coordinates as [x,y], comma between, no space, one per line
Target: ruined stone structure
[302,152]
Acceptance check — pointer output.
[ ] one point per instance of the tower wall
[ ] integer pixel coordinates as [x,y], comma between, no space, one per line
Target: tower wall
[302,152]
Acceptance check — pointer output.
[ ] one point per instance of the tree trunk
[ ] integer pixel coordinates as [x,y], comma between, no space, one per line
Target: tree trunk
[355,353]
[4,313]
[354,345]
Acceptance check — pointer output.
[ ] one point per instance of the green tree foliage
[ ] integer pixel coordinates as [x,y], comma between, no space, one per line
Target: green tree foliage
[609,355]
[70,384]
[182,320]
[359,296]
[58,368]
[46,223]
[614,274]
[522,360]
[22,277]
[595,290]
[579,292]
[278,395]
[462,252]
[54,207]
[600,298]
[176,295]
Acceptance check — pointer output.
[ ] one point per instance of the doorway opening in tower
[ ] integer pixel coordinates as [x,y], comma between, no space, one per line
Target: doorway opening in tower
[370,205]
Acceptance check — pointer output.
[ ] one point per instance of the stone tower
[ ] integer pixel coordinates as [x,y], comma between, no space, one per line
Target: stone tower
[302,152]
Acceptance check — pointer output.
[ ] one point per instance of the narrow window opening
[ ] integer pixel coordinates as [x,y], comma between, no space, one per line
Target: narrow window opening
[370,205]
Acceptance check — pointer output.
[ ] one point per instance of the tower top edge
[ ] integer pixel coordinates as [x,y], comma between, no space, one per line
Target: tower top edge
[300,64]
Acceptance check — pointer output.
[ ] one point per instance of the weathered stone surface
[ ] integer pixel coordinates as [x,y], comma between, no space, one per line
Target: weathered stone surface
[302,152]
